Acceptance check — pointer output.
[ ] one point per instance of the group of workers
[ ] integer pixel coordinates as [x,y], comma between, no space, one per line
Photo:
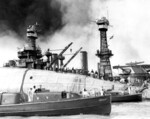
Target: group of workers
[75,71]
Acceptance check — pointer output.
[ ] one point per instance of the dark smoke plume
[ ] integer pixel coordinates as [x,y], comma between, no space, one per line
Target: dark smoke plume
[16,15]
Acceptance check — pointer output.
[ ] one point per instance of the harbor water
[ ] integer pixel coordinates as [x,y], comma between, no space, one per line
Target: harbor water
[136,110]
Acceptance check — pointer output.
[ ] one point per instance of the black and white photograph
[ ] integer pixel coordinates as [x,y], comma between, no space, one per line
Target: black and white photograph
[74,59]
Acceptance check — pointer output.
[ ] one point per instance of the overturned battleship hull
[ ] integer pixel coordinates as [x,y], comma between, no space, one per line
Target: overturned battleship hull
[14,79]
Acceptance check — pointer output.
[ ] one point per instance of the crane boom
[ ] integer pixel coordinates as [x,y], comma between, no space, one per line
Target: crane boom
[72,57]
[60,54]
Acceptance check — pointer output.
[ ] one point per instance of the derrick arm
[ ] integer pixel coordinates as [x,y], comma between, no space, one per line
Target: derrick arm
[72,57]
[60,54]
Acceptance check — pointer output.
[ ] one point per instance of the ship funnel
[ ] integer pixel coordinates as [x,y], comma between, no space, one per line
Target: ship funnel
[84,62]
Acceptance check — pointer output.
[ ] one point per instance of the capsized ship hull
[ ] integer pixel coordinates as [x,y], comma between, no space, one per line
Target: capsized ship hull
[12,78]
[96,105]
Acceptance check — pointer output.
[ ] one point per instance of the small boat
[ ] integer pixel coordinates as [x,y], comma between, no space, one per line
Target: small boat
[53,104]
[116,97]
[126,95]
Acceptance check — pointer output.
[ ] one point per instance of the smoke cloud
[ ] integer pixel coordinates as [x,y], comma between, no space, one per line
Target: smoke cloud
[16,15]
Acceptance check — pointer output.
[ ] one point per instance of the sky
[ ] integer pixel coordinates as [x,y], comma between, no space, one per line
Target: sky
[72,21]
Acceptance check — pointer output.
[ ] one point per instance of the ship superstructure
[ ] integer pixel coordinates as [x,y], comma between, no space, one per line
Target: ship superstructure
[30,56]
[104,67]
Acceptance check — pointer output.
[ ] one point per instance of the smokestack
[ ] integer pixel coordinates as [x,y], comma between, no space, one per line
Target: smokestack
[84,62]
